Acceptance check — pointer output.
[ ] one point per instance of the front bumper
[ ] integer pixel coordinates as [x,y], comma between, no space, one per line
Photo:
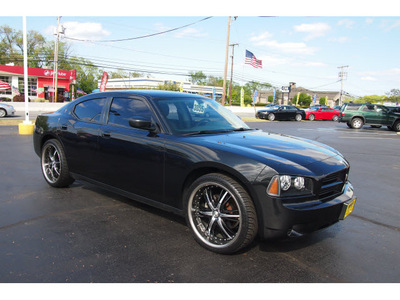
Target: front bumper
[279,220]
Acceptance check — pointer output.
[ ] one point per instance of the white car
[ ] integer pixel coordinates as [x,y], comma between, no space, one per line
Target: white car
[6,110]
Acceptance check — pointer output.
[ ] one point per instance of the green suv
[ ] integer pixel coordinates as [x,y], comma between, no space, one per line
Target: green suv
[355,115]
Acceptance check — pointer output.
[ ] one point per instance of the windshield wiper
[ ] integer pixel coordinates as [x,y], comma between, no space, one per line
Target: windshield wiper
[242,129]
[207,132]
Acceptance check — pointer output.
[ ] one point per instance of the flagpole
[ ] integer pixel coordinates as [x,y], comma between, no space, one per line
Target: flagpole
[26,127]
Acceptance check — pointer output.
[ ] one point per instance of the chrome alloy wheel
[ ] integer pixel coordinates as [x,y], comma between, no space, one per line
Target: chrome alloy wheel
[215,215]
[51,163]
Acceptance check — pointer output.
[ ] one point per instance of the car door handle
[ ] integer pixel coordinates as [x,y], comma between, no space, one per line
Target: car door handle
[64,127]
[106,135]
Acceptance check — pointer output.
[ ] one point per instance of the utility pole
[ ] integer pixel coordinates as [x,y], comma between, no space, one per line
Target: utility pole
[342,75]
[55,73]
[226,61]
[230,83]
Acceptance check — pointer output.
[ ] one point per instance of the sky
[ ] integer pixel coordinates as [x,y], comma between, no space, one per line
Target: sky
[300,42]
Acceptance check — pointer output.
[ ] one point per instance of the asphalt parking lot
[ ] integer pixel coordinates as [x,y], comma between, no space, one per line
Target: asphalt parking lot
[85,234]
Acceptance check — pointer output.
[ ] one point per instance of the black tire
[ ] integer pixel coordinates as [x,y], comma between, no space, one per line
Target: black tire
[311,117]
[396,126]
[220,214]
[298,117]
[54,164]
[335,118]
[348,124]
[357,123]
[271,116]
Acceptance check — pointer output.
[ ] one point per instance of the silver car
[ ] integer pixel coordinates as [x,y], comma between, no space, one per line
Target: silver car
[6,110]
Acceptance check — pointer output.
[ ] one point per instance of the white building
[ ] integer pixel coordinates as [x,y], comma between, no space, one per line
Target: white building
[153,83]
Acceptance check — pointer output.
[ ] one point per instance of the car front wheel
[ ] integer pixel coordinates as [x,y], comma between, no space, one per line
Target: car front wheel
[220,214]
[396,126]
[54,164]
[3,113]
[271,117]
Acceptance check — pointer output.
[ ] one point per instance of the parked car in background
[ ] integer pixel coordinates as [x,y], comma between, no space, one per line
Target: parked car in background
[337,107]
[317,106]
[322,113]
[189,155]
[281,112]
[355,115]
[6,110]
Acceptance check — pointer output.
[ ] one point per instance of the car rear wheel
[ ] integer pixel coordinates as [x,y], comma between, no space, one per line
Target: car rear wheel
[298,117]
[54,164]
[357,123]
[335,118]
[220,214]
[271,117]
[3,113]
[311,117]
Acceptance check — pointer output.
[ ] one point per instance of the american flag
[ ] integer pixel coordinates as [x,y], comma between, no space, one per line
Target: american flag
[4,86]
[252,60]
[15,91]
[80,91]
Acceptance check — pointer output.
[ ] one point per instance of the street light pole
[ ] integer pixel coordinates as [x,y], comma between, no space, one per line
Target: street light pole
[230,83]
[341,76]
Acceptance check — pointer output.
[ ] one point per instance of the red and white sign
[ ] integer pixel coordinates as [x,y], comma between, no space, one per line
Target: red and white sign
[103,82]
[38,72]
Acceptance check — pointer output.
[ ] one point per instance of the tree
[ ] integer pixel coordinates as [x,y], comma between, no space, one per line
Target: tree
[11,47]
[215,81]
[322,100]
[304,100]
[198,77]
[255,85]
[393,93]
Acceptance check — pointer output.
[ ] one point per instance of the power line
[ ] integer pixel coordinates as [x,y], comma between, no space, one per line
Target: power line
[138,37]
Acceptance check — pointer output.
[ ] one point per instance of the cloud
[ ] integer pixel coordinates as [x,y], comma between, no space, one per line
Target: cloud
[346,23]
[263,39]
[340,40]
[369,78]
[314,30]
[191,32]
[388,26]
[84,31]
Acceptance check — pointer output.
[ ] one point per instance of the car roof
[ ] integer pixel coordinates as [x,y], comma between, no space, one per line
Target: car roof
[145,93]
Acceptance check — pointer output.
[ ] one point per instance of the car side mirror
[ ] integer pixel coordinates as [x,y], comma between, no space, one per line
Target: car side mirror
[142,123]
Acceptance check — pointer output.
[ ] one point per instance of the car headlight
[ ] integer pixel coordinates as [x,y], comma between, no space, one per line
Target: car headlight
[286,185]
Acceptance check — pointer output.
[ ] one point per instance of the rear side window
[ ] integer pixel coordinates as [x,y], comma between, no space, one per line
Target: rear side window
[123,109]
[90,110]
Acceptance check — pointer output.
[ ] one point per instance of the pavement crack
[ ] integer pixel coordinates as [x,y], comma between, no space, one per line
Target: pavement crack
[23,222]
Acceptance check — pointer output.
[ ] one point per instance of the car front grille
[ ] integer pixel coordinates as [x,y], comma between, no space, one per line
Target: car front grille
[331,185]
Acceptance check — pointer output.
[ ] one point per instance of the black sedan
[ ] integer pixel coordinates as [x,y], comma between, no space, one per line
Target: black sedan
[281,112]
[187,154]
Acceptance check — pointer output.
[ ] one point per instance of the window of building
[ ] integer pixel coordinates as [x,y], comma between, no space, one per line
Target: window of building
[90,110]
[123,109]
[32,86]
[8,80]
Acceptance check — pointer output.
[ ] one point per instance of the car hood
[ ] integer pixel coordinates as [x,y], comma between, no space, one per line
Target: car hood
[276,150]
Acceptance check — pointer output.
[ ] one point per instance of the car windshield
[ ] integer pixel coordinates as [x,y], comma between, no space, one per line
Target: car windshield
[198,116]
